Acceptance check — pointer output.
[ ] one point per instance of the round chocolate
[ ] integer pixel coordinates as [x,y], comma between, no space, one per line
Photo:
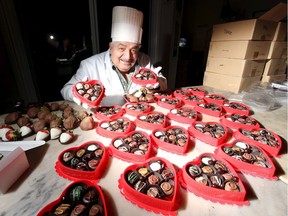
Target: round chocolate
[78,210]
[91,195]
[96,210]
[153,179]
[153,192]
[93,164]
[167,188]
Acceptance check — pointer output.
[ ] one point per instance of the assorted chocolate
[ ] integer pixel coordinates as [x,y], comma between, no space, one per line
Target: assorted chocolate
[236,106]
[185,112]
[116,125]
[210,106]
[156,180]
[89,91]
[170,101]
[242,119]
[109,110]
[213,173]
[145,75]
[138,107]
[211,129]
[153,118]
[262,136]
[79,199]
[242,151]
[193,98]
[136,143]
[215,97]
[174,135]
[85,159]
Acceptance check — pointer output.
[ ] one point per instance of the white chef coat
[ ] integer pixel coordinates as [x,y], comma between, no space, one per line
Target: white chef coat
[99,67]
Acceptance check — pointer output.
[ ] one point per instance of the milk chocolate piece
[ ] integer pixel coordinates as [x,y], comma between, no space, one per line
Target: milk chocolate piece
[96,210]
[91,195]
[78,210]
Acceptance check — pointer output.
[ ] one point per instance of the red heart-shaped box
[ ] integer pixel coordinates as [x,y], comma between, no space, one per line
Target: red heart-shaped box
[201,92]
[115,127]
[192,100]
[135,109]
[162,94]
[265,139]
[94,90]
[152,185]
[228,120]
[169,103]
[173,139]
[215,98]
[87,161]
[212,133]
[211,109]
[185,115]
[211,177]
[108,112]
[248,158]
[78,194]
[236,107]
[151,120]
[144,76]
[136,146]
[180,93]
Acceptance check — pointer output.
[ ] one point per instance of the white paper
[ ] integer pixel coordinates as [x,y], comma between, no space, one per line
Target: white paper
[25,145]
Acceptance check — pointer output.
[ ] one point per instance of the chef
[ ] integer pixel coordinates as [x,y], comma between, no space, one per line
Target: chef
[116,66]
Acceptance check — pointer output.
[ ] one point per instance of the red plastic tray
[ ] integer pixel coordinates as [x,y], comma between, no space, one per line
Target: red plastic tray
[231,107]
[201,107]
[180,93]
[133,143]
[161,94]
[169,103]
[108,112]
[110,128]
[170,140]
[209,168]
[206,136]
[192,100]
[65,170]
[236,125]
[135,109]
[167,204]
[215,98]
[140,78]
[65,198]
[201,92]
[248,158]
[185,115]
[91,83]
[261,137]
[146,120]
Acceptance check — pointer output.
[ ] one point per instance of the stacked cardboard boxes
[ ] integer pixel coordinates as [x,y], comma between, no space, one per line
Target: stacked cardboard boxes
[238,53]
[276,63]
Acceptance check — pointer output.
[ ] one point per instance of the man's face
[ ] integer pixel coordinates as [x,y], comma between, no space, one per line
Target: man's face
[124,55]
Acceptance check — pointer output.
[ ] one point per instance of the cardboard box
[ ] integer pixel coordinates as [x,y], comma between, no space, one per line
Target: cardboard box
[228,83]
[275,67]
[12,166]
[278,49]
[235,67]
[253,50]
[274,78]
[253,29]
[281,32]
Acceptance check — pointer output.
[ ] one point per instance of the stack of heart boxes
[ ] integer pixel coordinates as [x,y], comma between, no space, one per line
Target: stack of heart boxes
[152,182]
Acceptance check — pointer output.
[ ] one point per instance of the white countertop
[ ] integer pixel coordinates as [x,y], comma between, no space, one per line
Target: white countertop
[40,184]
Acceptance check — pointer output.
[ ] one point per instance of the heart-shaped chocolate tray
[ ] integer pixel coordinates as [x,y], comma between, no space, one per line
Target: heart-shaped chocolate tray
[185,115]
[174,139]
[87,161]
[133,147]
[212,133]
[192,100]
[90,92]
[108,112]
[236,121]
[151,120]
[211,109]
[144,76]
[236,107]
[214,179]
[197,91]
[248,158]
[169,103]
[266,139]
[115,127]
[135,109]
[78,198]
[215,98]
[151,185]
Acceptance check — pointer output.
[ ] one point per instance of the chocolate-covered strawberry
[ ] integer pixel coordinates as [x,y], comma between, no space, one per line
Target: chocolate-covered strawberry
[4,129]
[68,111]
[87,123]
[70,123]
[55,133]
[25,131]
[12,118]
[56,123]
[66,137]
[23,120]
[82,114]
[54,106]
[11,135]
[33,111]
[42,114]
[49,117]
[62,106]
[39,125]
[43,134]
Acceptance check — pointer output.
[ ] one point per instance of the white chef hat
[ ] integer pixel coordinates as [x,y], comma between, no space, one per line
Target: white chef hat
[126,24]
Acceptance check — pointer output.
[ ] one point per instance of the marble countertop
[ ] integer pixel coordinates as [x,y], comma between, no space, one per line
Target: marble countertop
[40,184]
